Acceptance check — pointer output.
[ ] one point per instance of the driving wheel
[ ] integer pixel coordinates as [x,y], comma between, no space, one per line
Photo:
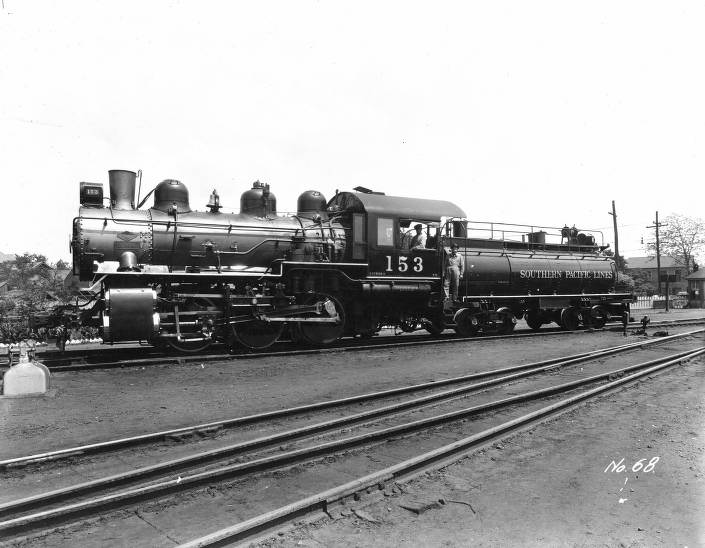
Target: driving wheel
[323,333]
[257,334]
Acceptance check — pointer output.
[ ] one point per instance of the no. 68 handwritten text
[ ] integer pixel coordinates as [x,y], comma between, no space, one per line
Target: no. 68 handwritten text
[638,466]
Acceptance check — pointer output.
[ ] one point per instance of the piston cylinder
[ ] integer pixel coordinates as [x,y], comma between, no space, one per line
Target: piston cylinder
[130,315]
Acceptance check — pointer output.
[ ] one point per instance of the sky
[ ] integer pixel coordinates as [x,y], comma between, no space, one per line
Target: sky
[520,112]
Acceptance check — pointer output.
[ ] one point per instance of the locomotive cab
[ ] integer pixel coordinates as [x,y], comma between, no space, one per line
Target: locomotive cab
[383,232]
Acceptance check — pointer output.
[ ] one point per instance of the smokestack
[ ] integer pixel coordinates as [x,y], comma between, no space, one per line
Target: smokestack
[122,188]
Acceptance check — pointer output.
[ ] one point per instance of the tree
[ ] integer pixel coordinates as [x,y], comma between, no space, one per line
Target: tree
[36,282]
[681,238]
[625,283]
[642,286]
[23,268]
[36,289]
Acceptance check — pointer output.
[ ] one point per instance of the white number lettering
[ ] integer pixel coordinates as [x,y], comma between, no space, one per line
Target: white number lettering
[403,267]
[637,465]
[418,264]
[650,467]
[389,263]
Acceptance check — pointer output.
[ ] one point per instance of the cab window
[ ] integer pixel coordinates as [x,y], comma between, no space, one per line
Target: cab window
[410,238]
[385,232]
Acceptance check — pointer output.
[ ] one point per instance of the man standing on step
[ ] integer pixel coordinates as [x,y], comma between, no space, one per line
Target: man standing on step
[455,267]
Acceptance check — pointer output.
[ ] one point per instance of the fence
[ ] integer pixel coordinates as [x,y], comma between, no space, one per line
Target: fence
[643,302]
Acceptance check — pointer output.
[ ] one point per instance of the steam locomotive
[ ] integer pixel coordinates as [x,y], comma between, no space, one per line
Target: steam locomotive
[170,275]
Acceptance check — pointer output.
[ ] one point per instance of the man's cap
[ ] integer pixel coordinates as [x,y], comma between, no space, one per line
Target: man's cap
[418,226]
[454,246]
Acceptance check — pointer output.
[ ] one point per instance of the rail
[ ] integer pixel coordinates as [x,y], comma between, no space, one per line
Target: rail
[573,237]
[83,508]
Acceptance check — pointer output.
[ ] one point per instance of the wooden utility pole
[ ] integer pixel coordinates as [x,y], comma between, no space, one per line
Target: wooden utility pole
[656,225]
[616,236]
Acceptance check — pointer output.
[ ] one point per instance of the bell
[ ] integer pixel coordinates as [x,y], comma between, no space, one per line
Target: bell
[214,202]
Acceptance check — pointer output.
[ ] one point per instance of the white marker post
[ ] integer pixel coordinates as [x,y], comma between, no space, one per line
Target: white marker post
[25,378]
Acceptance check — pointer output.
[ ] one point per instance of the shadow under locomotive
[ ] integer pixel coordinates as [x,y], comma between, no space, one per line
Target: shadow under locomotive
[173,276]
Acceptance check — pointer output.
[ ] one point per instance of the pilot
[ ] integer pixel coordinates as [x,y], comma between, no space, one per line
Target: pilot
[418,241]
[455,267]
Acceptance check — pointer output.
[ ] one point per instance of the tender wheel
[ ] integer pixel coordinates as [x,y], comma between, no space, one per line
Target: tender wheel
[466,323]
[570,318]
[257,334]
[533,319]
[508,321]
[323,334]
[598,317]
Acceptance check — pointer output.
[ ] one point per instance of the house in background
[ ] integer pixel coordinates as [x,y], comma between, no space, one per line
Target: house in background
[645,268]
[696,289]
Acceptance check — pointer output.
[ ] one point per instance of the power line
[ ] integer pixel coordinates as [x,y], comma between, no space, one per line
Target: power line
[616,235]
[656,225]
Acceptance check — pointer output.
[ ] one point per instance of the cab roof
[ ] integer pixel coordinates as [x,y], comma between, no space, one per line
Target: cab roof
[394,206]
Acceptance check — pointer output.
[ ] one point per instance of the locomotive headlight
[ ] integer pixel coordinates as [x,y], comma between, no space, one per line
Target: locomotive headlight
[254,301]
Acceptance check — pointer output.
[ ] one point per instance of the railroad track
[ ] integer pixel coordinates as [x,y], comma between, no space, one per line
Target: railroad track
[361,488]
[436,405]
[135,357]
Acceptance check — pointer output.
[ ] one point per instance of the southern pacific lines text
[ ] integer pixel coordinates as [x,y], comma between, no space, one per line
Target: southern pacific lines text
[588,274]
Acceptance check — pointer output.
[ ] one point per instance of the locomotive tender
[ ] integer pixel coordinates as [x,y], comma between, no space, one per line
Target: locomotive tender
[171,275]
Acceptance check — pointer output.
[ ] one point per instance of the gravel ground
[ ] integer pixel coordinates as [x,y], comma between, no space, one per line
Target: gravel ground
[92,406]
[522,494]
[554,485]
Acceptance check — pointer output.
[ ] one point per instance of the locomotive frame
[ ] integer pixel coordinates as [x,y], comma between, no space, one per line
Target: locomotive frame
[172,276]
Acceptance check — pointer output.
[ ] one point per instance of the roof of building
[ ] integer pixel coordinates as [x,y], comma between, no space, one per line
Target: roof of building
[697,275]
[650,262]
[63,273]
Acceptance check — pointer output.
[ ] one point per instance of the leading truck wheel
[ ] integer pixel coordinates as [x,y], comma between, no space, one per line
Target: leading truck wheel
[323,333]
[570,318]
